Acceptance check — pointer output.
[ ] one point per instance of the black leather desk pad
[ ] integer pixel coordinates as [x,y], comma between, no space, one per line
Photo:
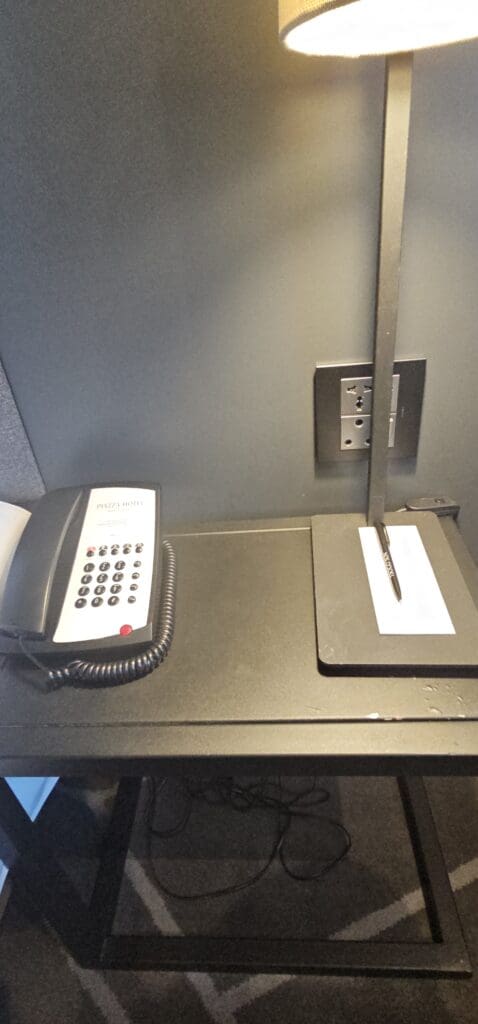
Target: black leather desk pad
[347,631]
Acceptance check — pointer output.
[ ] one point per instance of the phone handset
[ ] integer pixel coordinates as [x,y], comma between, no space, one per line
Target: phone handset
[90,583]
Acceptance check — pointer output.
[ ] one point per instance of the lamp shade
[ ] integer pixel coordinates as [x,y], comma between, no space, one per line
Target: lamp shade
[354,28]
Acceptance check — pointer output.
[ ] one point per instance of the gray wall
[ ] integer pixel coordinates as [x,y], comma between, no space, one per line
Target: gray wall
[190,226]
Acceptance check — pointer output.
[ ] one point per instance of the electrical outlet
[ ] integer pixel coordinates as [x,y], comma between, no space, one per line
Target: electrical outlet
[355,432]
[343,397]
[356,395]
[355,412]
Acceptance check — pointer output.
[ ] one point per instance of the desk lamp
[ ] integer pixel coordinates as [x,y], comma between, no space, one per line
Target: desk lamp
[395,28]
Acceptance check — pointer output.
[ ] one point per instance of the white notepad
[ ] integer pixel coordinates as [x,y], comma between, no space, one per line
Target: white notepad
[422,609]
[13,520]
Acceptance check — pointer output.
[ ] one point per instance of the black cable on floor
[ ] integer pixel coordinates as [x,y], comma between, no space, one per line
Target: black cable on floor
[264,794]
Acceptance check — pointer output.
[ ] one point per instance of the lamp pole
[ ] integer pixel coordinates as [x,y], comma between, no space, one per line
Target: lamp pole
[396,125]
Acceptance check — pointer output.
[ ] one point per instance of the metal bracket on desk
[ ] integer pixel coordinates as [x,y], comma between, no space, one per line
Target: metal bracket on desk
[86,930]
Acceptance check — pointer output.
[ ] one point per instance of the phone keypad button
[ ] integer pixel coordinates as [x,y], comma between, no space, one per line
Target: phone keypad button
[118,576]
[102,578]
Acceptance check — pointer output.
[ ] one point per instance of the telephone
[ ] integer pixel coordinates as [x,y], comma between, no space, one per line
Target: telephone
[89,582]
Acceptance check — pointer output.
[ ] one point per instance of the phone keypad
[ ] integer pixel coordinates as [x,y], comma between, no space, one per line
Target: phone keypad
[119,528]
[124,572]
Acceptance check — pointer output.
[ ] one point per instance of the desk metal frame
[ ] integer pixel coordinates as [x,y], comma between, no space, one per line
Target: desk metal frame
[86,929]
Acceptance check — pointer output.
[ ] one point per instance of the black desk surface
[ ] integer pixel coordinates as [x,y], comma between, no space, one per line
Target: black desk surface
[241,684]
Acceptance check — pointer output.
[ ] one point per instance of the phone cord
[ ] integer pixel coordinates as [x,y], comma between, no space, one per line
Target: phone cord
[125,670]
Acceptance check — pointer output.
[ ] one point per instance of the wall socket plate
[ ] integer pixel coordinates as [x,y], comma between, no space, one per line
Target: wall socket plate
[343,397]
[355,412]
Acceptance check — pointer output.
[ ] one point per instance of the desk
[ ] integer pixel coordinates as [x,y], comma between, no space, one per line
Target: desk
[240,691]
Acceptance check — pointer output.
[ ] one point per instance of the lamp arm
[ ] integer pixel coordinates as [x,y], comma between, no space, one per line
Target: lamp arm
[396,125]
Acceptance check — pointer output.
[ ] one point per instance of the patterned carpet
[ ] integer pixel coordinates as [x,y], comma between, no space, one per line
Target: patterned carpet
[373,893]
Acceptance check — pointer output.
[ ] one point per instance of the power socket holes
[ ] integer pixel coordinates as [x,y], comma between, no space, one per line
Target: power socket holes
[343,407]
[355,412]
[356,395]
[355,432]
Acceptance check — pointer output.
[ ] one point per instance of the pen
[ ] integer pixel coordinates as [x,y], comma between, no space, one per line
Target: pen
[387,557]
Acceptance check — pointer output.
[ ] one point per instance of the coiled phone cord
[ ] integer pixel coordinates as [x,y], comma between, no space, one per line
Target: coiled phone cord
[125,670]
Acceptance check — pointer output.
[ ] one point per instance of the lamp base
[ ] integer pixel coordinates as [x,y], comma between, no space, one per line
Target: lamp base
[348,639]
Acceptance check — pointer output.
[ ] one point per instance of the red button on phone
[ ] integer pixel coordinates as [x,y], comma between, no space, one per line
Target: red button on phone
[126,630]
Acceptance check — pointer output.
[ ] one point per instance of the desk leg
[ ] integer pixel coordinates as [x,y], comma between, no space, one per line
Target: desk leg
[82,928]
[45,880]
[105,896]
[445,926]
